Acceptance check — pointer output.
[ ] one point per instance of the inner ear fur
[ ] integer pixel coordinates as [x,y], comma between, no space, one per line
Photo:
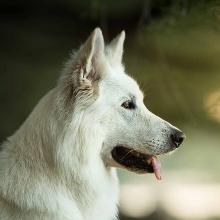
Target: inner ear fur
[83,66]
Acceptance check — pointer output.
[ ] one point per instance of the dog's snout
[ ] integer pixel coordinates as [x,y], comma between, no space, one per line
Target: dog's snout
[177,137]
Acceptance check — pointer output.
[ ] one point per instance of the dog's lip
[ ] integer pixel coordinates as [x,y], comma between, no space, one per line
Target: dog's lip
[136,161]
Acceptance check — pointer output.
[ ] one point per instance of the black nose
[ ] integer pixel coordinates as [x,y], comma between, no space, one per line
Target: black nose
[177,138]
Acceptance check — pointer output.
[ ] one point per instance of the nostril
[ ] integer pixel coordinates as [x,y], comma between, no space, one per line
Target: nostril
[177,138]
[180,139]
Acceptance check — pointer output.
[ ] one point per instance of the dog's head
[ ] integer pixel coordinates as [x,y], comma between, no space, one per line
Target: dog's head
[109,104]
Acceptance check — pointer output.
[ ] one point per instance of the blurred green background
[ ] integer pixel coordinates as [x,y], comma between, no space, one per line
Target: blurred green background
[172,48]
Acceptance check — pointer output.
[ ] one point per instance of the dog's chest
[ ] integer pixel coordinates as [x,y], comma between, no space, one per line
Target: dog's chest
[103,204]
[103,208]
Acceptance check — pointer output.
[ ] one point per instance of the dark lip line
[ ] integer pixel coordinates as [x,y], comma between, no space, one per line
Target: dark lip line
[138,168]
[172,148]
[134,150]
[142,151]
[139,150]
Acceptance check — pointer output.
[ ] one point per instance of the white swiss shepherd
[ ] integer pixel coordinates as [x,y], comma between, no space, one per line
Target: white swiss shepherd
[60,164]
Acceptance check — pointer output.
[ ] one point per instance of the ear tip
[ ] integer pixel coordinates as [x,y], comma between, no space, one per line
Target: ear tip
[97,36]
[123,33]
[122,36]
[97,31]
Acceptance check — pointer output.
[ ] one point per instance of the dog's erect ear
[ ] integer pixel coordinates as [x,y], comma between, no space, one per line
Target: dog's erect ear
[84,66]
[115,48]
[90,54]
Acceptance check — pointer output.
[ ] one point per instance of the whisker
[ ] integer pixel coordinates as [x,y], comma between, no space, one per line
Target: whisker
[130,151]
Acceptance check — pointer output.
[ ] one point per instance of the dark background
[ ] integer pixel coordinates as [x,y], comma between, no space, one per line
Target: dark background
[172,48]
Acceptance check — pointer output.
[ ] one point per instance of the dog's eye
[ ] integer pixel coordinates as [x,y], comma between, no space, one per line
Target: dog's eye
[128,105]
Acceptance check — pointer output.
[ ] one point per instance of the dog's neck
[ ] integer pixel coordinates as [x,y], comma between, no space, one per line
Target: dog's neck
[46,147]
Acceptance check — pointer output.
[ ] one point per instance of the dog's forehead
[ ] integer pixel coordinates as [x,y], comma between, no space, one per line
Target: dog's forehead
[119,84]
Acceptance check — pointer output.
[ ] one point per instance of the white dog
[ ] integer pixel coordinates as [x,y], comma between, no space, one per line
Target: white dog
[60,164]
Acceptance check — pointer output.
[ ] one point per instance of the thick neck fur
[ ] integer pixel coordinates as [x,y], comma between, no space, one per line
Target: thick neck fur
[46,151]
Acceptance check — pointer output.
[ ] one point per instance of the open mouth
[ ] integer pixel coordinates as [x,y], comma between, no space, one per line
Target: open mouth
[136,161]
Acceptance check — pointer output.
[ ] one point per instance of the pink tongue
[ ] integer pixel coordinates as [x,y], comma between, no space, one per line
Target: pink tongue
[156,166]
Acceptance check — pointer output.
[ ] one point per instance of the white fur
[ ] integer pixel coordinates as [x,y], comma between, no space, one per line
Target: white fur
[58,165]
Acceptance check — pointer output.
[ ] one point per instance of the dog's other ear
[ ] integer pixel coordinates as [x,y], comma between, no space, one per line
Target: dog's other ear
[115,48]
[84,66]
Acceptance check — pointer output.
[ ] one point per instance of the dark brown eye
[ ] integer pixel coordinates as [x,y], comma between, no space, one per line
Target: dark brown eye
[128,105]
